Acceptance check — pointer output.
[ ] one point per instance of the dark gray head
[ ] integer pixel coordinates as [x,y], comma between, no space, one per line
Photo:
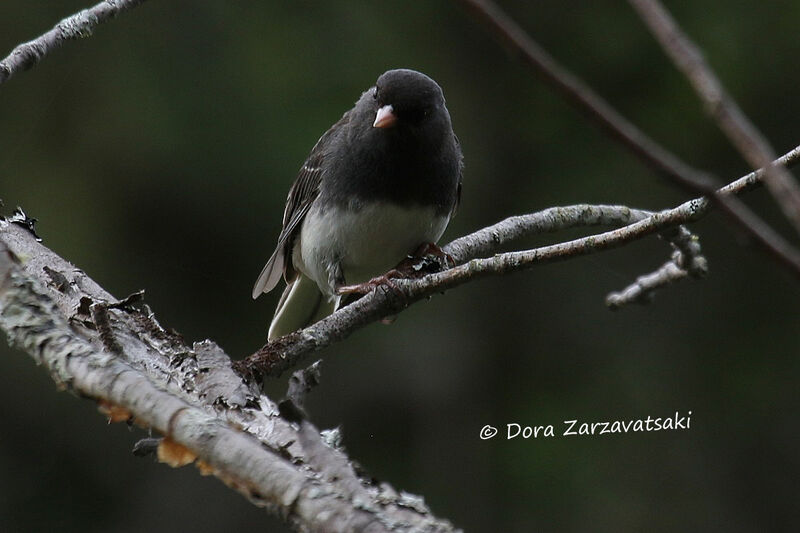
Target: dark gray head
[396,145]
[406,98]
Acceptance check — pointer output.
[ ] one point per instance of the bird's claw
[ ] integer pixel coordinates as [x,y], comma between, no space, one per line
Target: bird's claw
[428,258]
[368,286]
[429,249]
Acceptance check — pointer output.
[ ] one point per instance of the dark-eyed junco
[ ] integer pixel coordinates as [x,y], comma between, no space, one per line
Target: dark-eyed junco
[379,183]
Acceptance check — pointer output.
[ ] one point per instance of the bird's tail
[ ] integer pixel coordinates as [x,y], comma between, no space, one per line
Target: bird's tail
[301,304]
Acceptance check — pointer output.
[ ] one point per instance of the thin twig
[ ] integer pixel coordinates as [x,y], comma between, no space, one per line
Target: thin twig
[642,290]
[687,261]
[650,152]
[690,257]
[732,121]
[491,239]
[287,351]
[293,407]
[76,26]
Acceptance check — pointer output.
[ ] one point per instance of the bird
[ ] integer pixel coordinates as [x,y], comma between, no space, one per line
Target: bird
[379,185]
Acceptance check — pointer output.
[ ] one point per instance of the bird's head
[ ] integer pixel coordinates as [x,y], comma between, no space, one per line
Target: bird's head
[406,98]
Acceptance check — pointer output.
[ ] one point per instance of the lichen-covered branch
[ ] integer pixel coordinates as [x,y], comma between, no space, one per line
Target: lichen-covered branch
[286,352]
[79,25]
[641,291]
[686,261]
[116,353]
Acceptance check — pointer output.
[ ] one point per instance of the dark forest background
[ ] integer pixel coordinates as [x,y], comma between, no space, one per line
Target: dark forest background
[157,155]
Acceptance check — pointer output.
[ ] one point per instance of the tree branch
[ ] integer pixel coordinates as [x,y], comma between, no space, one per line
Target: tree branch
[575,91]
[732,121]
[687,260]
[116,353]
[641,291]
[287,351]
[76,26]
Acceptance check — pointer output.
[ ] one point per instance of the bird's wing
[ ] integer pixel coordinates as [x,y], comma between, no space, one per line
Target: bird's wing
[460,176]
[304,191]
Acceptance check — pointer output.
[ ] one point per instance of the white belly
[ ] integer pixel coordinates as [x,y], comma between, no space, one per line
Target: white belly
[365,244]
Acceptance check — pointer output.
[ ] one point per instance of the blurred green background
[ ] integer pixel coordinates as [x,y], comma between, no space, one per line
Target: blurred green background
[157,155]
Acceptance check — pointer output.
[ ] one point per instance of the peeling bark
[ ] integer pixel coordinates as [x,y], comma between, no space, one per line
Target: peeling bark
[116,353]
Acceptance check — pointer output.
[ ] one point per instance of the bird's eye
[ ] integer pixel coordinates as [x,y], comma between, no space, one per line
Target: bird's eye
[375,94]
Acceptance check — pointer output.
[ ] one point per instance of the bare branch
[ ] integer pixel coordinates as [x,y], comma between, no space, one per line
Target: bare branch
[688,254]
[642,290]
[619,128]
[189,394]
[686,261]
[730,118]
[488,240]
[79,25]
[287,351]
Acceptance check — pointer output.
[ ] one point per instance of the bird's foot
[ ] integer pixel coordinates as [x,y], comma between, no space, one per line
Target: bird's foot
[368,286]
[427,259]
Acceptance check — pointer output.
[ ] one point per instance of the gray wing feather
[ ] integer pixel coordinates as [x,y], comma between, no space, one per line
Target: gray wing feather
[301,196]
[460,176]
[271,273]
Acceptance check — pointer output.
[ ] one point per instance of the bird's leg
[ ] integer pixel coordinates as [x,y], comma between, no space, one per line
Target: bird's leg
[368,286]
[428,258]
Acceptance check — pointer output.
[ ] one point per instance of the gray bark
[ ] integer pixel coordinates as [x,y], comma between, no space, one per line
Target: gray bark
[116,353]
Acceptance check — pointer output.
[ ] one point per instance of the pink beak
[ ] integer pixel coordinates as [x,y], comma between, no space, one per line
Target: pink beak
[385,117]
